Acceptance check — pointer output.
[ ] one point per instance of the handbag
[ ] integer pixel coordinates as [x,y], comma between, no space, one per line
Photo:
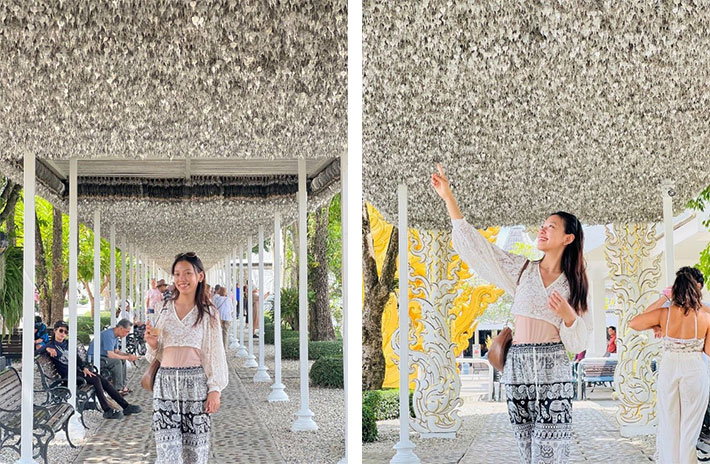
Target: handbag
[500,345]
[148,378]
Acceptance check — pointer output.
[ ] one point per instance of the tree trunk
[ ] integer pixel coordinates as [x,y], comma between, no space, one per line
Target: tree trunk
[87,286]
[9,196]
[377,293]
[320,322]
[42,274]
[57,305]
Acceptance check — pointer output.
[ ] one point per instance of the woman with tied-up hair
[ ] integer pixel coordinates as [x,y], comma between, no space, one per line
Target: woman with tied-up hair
[551,317]
[683,383]
[187,339]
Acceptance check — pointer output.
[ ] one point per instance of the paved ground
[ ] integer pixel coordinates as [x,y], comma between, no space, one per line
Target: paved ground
[486,437]
[239,434]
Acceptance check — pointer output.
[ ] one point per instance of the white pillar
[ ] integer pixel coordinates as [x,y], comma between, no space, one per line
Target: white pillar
[131,287]
[76,429]
[124,280]
[262,374]
[242,352]
[597,345]
[28,309]
[405,448]
[277,389]
[233,289]
[251,359]
[667,190]
[97,290]
[112,307]
[304,417]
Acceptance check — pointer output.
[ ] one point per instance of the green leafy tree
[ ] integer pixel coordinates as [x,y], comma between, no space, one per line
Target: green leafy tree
[699,204]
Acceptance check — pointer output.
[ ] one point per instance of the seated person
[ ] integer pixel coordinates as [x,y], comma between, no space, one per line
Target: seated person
[41,335]
[113,358]
[58,350]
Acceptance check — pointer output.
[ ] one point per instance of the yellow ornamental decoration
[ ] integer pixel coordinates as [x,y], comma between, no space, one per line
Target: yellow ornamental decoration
[468,306]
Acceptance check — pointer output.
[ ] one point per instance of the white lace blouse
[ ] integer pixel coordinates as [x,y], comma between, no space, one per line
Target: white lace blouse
[205,337]
[530,296]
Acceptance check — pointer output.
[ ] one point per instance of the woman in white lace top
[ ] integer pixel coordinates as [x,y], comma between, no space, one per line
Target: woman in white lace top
[551,318]
[187,340]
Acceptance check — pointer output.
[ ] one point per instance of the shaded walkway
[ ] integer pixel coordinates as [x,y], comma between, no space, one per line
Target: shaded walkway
[239,435]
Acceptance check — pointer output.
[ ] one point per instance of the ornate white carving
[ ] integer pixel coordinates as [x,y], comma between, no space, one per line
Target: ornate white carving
[626,251]
[437,386]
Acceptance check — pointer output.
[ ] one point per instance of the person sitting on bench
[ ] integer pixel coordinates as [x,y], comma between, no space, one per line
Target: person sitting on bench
[113,358]
[58,350]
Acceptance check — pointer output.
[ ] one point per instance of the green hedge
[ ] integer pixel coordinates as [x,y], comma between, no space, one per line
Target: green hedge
[385,403]
[369,424]
[285,333]
[327,372]
[316,350]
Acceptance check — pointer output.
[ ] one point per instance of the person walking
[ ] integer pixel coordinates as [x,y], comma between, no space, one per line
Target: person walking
[187,340]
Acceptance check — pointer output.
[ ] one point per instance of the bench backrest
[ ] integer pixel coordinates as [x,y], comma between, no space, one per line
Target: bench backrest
[10,389]
[599,368]
[47,368]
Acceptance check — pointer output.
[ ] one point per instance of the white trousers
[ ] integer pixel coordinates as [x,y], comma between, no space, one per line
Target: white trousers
[683,388]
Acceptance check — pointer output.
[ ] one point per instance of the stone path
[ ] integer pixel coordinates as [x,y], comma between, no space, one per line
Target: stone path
[486,437]
[239,435]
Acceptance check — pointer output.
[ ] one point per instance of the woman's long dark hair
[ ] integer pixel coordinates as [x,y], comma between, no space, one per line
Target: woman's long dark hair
[687,293]
[573,264]
[202,300]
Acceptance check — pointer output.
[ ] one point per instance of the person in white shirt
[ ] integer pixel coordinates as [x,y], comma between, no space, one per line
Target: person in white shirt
[152,300]
[187,340]
[551,317]
[224,306]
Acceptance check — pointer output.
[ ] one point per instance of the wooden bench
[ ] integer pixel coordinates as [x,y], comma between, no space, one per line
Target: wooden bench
[595,372]
[47,419]
[52,382]
[11,345]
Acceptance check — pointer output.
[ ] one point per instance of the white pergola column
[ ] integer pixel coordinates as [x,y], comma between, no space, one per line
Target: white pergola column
[76,429]
[251,359]
[304,417]
[667,190]
[131,287]
[112,307]
[262,374]
[124,281]
[97,290]
[242,352]
[28,309]
[278,392]
[405,448]
[233,289]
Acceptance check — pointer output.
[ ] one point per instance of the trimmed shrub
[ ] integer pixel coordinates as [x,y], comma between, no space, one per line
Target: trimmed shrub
[327,372]
[316,350]
[385,403]
[83,337]
[369,424]
[269,334]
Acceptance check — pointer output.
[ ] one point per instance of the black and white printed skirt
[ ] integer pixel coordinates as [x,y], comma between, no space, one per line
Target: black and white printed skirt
[539,392]
[180,424]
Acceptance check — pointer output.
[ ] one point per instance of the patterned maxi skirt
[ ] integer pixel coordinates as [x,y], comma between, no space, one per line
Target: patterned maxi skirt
[539,392]
[180,424]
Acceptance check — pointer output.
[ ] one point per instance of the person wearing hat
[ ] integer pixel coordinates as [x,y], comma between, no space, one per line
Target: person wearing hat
[152,300]
[58,350]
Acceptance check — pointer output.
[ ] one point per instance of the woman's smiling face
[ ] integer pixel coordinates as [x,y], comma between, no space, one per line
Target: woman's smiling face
[186,278]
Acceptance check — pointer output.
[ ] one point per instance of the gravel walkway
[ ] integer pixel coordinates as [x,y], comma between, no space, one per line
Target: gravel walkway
[327,444]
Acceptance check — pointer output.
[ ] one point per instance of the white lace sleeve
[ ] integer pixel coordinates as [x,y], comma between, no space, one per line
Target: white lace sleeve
[576,337]
[214,359]
[486,259]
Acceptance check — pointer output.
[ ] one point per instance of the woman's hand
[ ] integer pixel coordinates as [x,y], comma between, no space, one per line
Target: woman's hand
[150,338]
[441,183]
[88,373]
[212,403]
[562,308]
